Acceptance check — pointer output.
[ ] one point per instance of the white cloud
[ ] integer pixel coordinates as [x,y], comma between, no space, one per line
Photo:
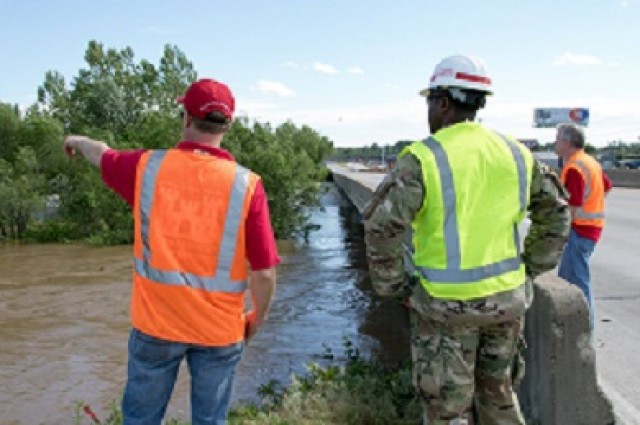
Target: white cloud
[352,125]
[324,68]
[624,3]
[248,106]
[568,58]
[406,119]
[274,87]
[291,64]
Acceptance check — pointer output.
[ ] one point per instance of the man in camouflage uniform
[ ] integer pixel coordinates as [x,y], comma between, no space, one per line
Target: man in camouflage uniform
[463,350]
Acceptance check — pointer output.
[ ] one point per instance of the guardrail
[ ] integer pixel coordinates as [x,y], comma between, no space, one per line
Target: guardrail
[624,178]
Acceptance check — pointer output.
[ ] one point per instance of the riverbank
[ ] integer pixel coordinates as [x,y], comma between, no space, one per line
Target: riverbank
[347,389]
[64,310]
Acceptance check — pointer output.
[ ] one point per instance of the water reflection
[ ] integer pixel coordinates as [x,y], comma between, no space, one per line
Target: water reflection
[324,295]
[64,320]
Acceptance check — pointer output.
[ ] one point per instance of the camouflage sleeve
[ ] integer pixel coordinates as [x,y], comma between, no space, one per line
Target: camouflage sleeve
[550,221]
[387,218]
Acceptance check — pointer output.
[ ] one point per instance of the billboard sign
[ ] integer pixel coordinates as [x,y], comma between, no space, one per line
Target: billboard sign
[551,117]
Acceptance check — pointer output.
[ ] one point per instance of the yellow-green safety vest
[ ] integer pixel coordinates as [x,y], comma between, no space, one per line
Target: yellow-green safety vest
[465,236]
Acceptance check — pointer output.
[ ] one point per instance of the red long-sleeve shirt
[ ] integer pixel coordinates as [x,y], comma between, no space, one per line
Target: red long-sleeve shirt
[119,173]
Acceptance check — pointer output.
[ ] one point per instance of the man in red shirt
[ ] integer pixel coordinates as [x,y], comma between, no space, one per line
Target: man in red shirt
[200,221]
[587,185]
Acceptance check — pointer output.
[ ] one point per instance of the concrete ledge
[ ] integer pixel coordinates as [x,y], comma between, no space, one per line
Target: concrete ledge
[560,384]
[358,193]
[624,178]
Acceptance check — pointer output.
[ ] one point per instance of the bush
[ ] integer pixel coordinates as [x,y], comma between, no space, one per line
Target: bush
[359,392]
[53,231]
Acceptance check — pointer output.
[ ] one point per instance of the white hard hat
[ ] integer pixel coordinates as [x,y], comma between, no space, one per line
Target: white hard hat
[460,71]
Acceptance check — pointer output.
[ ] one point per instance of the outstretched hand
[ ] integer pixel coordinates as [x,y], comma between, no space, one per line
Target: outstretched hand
[71,152]
[90,149]
[72,143]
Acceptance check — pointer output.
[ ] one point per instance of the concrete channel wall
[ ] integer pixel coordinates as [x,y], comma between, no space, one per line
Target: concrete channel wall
[560,386]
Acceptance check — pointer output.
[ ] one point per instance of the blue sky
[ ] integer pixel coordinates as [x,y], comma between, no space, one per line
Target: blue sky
[352,69]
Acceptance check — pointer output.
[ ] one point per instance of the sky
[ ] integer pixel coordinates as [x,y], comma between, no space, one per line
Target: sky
[352,69]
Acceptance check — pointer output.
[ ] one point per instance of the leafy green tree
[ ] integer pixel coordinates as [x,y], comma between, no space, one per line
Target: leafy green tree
[590,149]
[21,192]
[44,135]
[126,103]
[114,92]
[289,159]
[9,127]
[131,104]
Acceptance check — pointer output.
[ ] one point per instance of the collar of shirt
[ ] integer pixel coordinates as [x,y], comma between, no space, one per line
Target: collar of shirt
[212,150]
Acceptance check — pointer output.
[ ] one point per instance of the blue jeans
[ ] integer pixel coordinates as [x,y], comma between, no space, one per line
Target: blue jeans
[152,371]
[574,266]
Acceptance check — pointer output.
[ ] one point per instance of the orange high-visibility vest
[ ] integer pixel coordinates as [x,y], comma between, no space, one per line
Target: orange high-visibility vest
[591,213]
[190,268]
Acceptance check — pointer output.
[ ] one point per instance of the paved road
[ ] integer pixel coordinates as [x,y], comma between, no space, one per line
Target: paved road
[616,283]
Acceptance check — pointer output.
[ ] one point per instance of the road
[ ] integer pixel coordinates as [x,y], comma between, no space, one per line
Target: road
[616,286]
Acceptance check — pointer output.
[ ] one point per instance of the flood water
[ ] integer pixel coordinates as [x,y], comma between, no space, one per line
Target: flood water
[64,321]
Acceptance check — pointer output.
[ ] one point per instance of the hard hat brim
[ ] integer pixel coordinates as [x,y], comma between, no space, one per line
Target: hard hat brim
[426,92]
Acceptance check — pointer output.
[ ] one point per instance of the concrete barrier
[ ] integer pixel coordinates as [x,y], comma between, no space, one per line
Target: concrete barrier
[560,385]
[357,192]
[624,178]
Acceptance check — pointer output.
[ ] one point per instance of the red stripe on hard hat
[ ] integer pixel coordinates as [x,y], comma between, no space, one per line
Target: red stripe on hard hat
[472,78]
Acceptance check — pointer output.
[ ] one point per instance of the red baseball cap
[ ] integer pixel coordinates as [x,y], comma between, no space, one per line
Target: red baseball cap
[206,96]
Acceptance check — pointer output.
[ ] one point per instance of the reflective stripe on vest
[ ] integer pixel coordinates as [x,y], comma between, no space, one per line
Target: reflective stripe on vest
[580,212]
[220,282]
[453,273]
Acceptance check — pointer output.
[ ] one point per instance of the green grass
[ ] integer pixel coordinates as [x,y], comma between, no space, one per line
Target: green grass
[352,391]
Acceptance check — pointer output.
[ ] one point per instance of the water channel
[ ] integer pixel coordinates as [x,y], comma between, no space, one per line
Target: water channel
[64,320]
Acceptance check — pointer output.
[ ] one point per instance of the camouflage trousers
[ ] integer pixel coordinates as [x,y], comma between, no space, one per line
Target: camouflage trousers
[457,369]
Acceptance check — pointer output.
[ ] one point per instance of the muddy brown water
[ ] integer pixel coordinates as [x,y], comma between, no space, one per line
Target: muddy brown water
[64,321]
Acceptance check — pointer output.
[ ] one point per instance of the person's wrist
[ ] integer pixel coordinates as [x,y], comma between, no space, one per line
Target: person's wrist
[258,320]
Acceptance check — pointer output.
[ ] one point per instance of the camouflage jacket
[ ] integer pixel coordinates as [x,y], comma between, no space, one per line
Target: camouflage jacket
[387,222]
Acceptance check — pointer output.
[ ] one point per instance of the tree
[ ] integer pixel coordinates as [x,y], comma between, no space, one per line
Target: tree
[21,191]
[126,103]
[289,159]
[9,127]
[131,104]
[115,92]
